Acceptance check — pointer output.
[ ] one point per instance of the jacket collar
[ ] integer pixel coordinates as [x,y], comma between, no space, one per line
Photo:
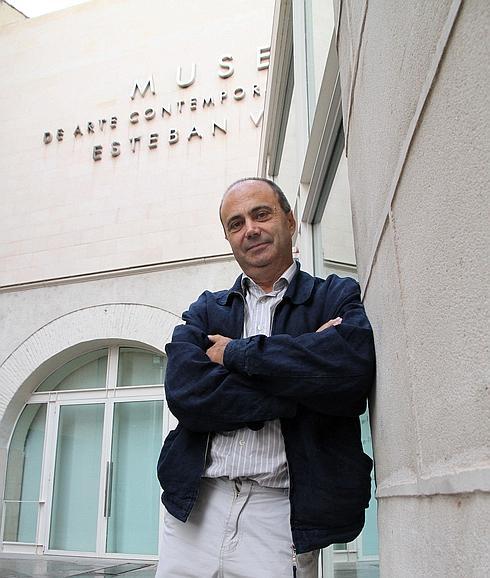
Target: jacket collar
[298,292]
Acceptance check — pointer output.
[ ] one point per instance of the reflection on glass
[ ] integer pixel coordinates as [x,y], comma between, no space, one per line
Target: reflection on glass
[85,372]
[136,440]
[319,24]
[369,535]
[24,475]
[140,367]
[334,241]
[76,479]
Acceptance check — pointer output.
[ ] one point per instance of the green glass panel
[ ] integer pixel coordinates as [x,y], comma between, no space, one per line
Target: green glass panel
[369,534]
[76,480]
[134,512]
[140,367]
[24,475]
[85,372]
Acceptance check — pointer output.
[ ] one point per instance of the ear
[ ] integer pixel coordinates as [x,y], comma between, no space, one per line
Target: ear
[291,223]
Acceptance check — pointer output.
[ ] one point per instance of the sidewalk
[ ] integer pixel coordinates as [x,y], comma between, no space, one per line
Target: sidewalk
[30,566]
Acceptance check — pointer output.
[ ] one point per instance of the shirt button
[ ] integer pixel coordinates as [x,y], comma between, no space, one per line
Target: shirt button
[242,442]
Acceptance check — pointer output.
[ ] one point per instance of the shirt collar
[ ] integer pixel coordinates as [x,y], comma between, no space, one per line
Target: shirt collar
[283,281]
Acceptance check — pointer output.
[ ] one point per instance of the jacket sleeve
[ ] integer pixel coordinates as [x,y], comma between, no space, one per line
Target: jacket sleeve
[205,396]
[330,371]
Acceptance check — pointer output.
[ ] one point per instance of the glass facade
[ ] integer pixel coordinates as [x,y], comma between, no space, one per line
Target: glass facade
[319,27]
[81,473]
[138,367]
[23,479]
[88,371]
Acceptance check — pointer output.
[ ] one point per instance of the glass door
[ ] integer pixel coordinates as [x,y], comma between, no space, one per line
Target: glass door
[133,492]
[76,487]
[105,495]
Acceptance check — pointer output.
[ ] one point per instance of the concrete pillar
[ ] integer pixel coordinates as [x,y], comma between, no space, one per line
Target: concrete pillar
[415,84]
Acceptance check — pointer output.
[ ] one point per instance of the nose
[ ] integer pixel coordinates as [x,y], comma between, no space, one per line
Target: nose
[251,229]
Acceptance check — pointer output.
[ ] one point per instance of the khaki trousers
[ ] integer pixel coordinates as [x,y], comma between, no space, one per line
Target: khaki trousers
[237,529]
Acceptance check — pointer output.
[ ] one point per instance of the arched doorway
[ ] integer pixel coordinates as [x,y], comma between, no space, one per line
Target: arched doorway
[81,460]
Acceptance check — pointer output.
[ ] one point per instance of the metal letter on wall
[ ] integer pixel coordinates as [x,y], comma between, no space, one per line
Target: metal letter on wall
[47,137]
[222,128]
[97,153]
[228,69]
[150,84]
[134,141]
[59,134]
[173,136]
[238,93]
[115,149]
[194,133]
[186,83]
[263,57]
[153,140]
[256,119]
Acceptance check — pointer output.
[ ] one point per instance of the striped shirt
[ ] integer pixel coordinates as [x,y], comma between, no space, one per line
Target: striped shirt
[244,453]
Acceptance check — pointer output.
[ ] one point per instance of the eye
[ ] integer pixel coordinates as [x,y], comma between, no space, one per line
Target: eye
[262,215]
[234,226]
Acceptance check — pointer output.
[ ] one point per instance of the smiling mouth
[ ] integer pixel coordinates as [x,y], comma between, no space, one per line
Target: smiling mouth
[257,246]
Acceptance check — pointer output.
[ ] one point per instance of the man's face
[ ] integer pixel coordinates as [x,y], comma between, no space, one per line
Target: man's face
[258,230]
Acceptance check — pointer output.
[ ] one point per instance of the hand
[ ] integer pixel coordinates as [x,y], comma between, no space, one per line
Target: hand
[331,323]
[217,350]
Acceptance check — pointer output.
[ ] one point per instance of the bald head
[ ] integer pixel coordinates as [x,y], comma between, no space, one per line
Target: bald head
[281,197]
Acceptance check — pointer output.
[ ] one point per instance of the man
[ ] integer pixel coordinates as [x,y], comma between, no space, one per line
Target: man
[267,381]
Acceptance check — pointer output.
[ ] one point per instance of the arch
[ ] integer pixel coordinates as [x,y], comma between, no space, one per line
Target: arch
[70,335]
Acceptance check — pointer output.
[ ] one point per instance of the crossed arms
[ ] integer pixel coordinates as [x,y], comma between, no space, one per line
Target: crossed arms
[214,383]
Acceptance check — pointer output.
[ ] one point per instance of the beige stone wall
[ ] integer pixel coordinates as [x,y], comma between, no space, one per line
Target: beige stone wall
[415,89]
[64,213]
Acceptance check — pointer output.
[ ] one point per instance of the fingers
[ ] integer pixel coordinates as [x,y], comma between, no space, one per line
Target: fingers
[330,323]
[215,338]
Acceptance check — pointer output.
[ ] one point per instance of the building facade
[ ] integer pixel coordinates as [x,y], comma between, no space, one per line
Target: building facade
[122,123]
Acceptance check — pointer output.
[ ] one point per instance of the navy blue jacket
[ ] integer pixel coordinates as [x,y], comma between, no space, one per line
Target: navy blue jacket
[316,383]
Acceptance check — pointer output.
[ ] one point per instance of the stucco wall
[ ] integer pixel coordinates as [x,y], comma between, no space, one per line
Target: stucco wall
[415,87]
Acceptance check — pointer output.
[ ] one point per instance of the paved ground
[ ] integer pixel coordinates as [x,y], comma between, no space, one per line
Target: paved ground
[357,570]
[24,566]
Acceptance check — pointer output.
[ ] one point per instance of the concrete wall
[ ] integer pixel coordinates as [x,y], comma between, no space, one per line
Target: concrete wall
[415,87]
[64,213]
